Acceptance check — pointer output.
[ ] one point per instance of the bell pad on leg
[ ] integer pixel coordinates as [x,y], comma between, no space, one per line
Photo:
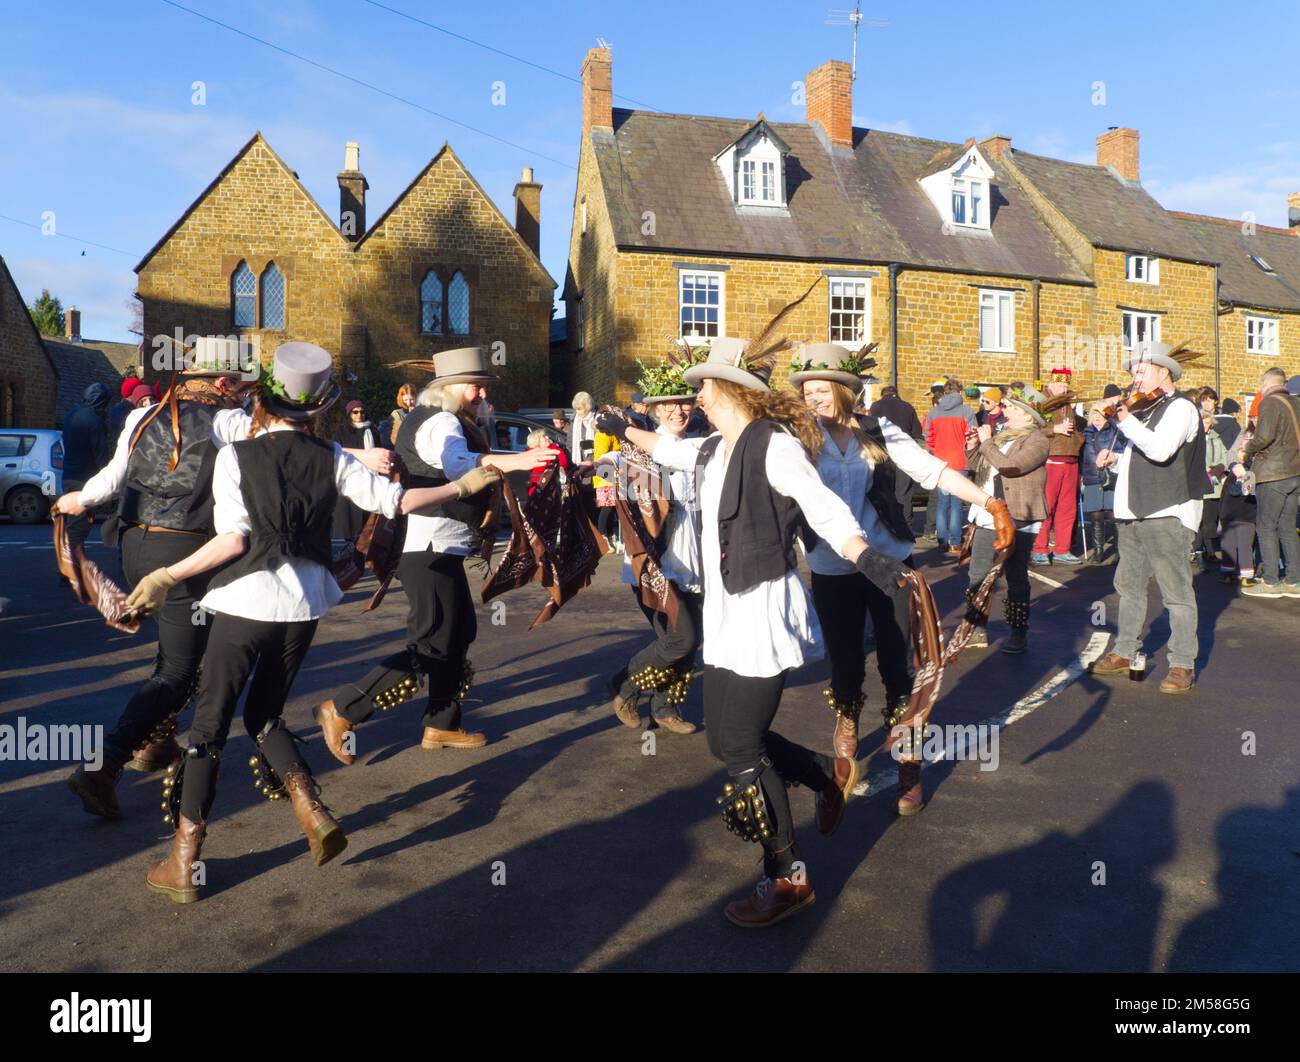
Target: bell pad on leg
[744,804]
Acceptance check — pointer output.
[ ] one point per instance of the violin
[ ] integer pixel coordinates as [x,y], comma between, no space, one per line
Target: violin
[1132,400]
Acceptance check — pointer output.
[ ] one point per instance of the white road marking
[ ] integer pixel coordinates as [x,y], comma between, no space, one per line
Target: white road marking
[1043,578]
[1031,702]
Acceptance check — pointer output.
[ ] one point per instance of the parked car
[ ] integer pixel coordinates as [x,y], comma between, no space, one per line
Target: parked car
[512,431]
[31,472]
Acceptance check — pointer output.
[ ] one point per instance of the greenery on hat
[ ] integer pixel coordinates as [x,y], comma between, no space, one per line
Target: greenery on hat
[857,364]
[275,388]
[658,381]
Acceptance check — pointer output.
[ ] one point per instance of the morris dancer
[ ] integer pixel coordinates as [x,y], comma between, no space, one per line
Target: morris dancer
[274,495]
[664,667]
[1157,511]
[756,485]
[860,460]
[1011,466]
[439,441]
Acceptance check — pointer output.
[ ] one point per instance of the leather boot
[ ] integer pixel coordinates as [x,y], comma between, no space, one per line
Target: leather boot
[911,799]
[333,726]
[325,837]
[773,901]
[845,738]
[98,789]
[1110,664]
[1098,539]
[836,794]
[156,755]
[624,708]
[174,876]
[451,739]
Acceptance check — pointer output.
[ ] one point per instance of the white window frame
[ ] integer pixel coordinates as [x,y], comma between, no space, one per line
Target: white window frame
[1129,334]
[584,217]
[974,195]
[1261,335]
[767,180]
[581,337]
[861,288]
[1148,267]
[705,274]
[995,299]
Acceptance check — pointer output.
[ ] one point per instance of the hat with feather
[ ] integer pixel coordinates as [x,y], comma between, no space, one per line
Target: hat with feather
[1037,404]
[665,382]
[1171,358]
[748,363]
[833,362]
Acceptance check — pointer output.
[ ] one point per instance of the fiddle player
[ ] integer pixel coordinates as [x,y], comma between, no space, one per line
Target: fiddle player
[1161,477]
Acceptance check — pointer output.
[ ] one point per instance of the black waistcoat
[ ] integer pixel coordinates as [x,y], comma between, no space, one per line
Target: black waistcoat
[1156,485]
[889,486]
[756,525]
[179,499]
[287,482]
[420,473]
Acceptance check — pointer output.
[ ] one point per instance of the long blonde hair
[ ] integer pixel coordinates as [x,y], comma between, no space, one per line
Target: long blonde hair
[845,400]
[778,406]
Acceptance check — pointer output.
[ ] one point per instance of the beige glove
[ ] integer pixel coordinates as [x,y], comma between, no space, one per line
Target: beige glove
[475,480]
[150,592]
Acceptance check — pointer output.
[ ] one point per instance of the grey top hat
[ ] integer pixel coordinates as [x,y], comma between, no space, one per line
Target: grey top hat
[833,362]
[462,365]
[1157,354]
[301,382]
[725,363]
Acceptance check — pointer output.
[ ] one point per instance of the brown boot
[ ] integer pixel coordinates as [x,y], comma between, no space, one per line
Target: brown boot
[773,901]
[156,756]
[174,876]
[325,837]
[675,723]
[451,739]
[910,796]
[1110,664]
[831,800]
[98,789]
[333,726]
[845,738]
[1179,680]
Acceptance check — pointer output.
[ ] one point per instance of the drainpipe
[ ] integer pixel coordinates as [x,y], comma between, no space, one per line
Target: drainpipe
[1218,383]
[893,320]
[1038,368]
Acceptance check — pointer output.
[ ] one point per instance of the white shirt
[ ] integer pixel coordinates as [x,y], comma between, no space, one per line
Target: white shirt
[1179,425]
[984,518]
[849,474]
[440,442]
[299,589]
[228,425]
[681,557]
[770,627]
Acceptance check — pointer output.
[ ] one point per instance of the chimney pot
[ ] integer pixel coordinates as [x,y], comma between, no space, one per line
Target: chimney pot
[1118,148]
[597,91]
[829,94]
[528,210]
[72,324]
[352,194]
[527,176]
[1293,211]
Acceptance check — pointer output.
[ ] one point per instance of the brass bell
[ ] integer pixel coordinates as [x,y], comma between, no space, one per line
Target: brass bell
[164,805]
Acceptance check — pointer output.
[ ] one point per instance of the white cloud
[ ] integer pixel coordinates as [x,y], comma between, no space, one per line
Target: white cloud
[1262,191]
[884,125]
[98,289]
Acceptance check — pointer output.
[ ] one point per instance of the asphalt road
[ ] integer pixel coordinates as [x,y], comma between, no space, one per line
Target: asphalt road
[563,845]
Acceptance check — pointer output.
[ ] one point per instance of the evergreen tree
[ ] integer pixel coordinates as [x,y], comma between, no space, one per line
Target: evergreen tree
[47,314]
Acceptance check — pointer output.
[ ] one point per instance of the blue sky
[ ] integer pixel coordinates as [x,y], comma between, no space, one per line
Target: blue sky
[99,127]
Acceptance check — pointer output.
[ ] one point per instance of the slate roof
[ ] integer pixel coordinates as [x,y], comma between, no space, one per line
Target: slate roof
[858,206]
[81,364]
[1241,281]
[1110,212]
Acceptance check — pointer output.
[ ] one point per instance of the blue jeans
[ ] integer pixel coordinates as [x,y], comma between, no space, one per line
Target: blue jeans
[950,517]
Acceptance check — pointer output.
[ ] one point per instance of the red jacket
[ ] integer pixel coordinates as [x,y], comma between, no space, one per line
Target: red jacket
[945,430]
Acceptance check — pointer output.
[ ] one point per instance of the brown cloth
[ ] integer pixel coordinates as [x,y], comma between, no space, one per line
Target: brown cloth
[1065,445]
[642,524]
[91,585]
[553,542]
[378,547]
[929,651]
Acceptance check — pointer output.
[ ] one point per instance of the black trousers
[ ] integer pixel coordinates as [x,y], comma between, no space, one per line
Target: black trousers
[1237,540]
[238,648]
[1016,568]
[182,636]
[843,603]
[738,714]
[673,649]
[440,628]
[1207,537]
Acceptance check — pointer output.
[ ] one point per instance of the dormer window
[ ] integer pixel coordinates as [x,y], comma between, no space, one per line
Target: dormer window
[754,168]
[1261,263]
[958,184]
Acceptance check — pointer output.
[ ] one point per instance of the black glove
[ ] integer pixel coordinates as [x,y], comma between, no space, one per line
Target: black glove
[612,424]
[887,574]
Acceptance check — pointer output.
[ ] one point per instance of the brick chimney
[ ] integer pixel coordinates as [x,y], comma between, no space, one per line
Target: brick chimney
[1119,148]
[528,210]
[830,101]
[1293,210]
[597,92]
[995,146]
[72,324]
[352,194]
